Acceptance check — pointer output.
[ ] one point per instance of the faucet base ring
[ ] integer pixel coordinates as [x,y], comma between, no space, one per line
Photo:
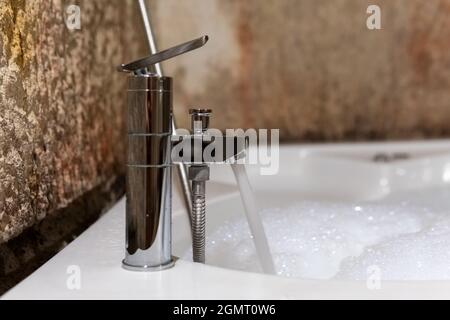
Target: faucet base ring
[148,268]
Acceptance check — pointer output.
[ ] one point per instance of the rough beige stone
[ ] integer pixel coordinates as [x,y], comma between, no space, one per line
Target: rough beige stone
[62,104]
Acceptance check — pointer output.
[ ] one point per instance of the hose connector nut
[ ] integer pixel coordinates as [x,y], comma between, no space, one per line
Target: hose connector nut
[199,173]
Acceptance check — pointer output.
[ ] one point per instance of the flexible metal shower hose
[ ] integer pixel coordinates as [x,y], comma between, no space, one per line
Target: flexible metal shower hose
[198,221]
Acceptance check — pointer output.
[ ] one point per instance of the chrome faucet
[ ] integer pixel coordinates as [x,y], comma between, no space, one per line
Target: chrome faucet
[149,172]
[149,167]
[150,159]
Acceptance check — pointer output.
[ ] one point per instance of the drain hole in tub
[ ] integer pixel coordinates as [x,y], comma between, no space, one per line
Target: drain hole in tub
[390,157]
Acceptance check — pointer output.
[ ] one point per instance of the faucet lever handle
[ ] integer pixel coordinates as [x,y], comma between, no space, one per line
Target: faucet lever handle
[163,55]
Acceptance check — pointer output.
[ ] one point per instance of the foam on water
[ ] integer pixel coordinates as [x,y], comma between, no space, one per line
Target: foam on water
[407,236]
[420,256]
[424,255]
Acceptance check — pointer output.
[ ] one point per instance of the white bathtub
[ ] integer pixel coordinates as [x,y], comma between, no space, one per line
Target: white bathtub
[344,173]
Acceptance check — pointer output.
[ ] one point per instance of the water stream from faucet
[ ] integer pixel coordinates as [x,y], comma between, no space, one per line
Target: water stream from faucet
[254,219]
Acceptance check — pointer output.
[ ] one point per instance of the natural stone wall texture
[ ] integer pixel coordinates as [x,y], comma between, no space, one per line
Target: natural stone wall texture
[312,68]
[62,111]
[62,104]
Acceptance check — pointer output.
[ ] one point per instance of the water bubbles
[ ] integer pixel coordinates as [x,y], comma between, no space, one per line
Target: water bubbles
[407,235]
[384,182]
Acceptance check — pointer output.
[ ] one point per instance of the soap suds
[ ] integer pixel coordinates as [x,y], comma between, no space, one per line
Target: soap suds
[407,236]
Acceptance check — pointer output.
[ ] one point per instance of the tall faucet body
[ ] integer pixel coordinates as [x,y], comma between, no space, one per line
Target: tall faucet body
[149,173]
